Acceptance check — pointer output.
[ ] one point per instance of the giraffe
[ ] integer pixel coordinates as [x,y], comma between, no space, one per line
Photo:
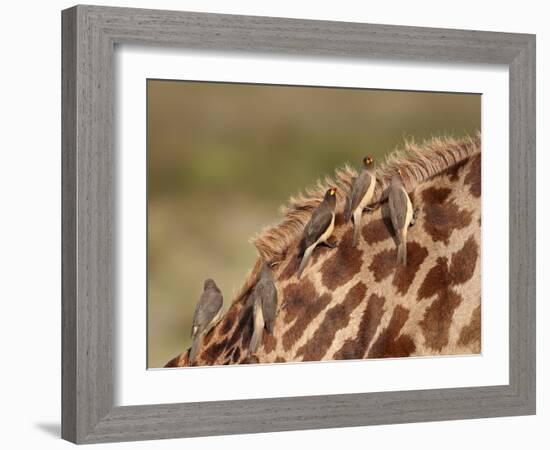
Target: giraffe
[355,302]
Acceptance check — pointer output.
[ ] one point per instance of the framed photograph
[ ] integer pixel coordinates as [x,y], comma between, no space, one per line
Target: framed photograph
[278,224]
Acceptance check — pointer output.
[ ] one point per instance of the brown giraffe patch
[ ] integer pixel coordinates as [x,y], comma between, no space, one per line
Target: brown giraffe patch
[268,341]
[438,317]
[384,264]
[320,250]
[436,195]
[208,336]
[389,344]
[336,318]
[291,267]
[436,280]
[339,220]
[463,262]
[454,172]
[297,297]
[211,353]
[442,215]
[303,304]
[472,332]
[243,327]
[377,230]
[280,360]
[473,178]
[370,320]
[343,264]
[229,320]
[439,278]
[404,275]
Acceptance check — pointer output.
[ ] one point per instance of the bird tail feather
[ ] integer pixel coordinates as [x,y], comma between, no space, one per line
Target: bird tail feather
[305,259]
[259,324]
[256,339]
[356,227]
[402,250]
[402,254]
[347,211]
[194,348]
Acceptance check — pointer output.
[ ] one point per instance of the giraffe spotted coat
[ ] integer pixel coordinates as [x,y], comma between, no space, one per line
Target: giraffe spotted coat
[355,302]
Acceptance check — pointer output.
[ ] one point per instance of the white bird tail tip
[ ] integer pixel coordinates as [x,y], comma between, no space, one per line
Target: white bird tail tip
[256,339]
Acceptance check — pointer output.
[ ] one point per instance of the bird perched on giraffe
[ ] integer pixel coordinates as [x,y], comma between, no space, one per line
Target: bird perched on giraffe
[207,313]
[402,214]
[264,298]
[319,228]
[360,196]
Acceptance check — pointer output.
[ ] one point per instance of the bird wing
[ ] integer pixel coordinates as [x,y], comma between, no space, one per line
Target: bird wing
[209,305]
[269,305]
[358,191]
[398,200]
[317,225]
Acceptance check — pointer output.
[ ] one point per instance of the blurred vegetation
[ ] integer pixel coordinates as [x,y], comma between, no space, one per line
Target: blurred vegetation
[222,159]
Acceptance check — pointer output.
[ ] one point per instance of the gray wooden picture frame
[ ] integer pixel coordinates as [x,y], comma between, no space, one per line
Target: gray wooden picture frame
[90,34]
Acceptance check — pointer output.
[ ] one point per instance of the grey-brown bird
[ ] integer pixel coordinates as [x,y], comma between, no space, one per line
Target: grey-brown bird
[318,229]
[360,196]
[264,297]
[402,215]
[207,313]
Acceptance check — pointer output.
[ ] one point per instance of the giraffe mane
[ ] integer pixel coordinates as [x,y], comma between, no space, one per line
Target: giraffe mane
[418,163]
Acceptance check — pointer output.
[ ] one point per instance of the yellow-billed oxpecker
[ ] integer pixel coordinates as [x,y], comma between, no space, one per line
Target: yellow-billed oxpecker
[360,196]
[264,298]
[402,215]
[207,313]
[318,229]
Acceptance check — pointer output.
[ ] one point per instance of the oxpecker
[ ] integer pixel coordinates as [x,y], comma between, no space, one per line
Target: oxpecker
[207,313]
[360,196]
[318,229]
[402,215]
[264,297]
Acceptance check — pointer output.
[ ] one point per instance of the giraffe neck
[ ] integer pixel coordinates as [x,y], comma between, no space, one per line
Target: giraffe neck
[355,302]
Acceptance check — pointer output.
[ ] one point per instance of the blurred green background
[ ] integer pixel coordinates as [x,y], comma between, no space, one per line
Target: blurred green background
[222,159]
